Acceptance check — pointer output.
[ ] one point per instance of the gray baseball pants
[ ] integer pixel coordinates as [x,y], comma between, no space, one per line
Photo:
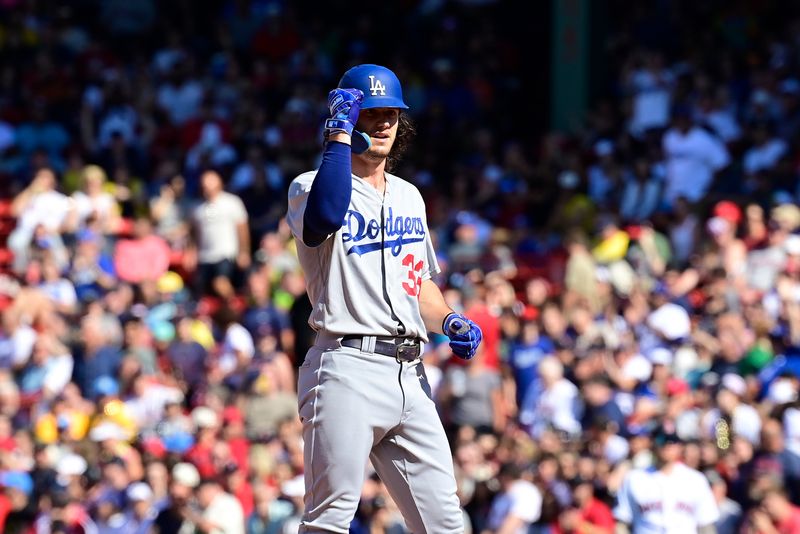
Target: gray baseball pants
[356,405]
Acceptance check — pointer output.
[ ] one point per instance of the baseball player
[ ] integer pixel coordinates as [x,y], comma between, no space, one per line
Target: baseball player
[668,498]
[364,244]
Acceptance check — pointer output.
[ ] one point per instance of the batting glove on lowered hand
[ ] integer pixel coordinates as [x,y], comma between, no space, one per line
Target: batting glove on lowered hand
[344,105]
[465,336]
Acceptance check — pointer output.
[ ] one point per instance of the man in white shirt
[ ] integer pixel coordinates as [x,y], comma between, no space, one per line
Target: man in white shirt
[650,86]
[669,498]
[38,205]
[517,506]
[222,236]
[222,512]
[219,511]
[693,156]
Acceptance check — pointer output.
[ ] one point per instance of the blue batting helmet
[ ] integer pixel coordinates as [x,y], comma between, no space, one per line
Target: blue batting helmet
[380,86]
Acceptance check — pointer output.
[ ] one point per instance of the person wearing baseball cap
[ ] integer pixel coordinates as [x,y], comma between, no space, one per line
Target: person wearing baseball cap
[728,210]
[172,517]
[142,514]
[667,497]
[18,489]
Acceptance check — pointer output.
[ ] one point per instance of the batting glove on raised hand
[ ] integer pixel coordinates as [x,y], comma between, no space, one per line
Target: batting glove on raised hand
[344,105]
[465,336]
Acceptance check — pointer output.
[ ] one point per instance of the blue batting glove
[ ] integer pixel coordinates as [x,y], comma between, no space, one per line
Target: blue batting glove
[465,336]
[344,105]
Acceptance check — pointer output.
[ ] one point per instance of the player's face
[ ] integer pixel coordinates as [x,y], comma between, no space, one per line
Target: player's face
[380,124]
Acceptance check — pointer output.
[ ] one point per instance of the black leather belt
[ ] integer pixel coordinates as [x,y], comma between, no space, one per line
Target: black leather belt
[402,349]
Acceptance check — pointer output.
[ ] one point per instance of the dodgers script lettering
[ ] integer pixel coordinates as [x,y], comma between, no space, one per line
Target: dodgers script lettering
[399,231]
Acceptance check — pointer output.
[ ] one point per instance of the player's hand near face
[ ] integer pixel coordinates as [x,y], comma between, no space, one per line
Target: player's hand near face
[344,106]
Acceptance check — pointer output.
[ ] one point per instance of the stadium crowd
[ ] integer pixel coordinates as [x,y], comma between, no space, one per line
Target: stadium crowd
[639,274]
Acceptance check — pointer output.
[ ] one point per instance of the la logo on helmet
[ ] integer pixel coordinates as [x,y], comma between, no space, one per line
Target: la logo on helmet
[375,86]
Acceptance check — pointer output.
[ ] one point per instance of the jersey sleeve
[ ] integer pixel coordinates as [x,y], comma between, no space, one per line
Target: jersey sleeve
[298,198]
[623,511]
[707,510]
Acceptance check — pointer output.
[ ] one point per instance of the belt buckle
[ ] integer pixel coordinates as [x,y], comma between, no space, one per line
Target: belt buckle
[405,349]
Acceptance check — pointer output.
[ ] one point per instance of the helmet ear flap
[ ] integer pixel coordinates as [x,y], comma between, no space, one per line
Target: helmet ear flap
[359,142]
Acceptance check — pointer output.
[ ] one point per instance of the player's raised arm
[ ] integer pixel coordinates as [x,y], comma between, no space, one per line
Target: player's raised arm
[330,193]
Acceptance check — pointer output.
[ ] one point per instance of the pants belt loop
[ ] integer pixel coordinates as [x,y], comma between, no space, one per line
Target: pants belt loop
[368,344]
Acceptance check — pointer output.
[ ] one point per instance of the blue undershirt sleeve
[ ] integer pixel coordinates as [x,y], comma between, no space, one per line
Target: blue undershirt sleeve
[329,196]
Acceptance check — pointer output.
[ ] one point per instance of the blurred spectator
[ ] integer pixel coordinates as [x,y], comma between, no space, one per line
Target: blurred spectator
[180,95]
[142,258]
[525,356]
[93,205]
[730,512]
[262,317]
[579,277]
[171,210]
[270,511]
[764,153]
[238,348]
[775,514]
[588,515]
[641,192]
[693,158]
[773,458]
[554,404]
[187,357]
[649,84]
[18,509]
[222,236]
[57,288]
[175,515]
[684,231]
[39,204]
[517,506]
[472,396]
[96,356]
[209,151]
[605,176]
[732,416]
[92,269]
[764,264]
[141,513]
[598,396]
[700,508]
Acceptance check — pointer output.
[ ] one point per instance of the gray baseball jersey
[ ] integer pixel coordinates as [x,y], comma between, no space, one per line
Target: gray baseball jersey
[365,280]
